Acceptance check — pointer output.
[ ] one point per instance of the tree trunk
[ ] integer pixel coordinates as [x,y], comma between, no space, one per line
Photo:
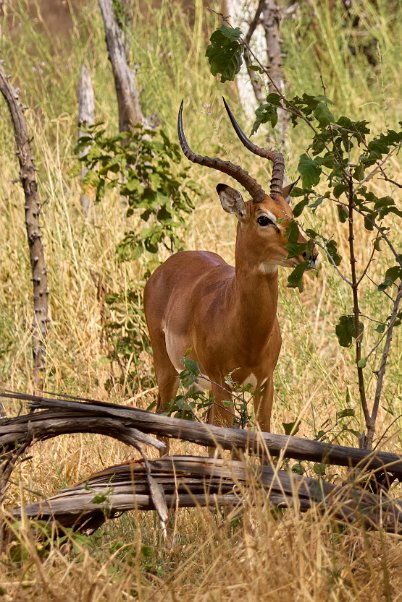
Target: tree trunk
[86,117]
[124,78]
[249,84]
[32,223]
[271,21]
[255,80]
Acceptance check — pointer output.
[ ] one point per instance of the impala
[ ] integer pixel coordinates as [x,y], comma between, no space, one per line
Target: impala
[221,316]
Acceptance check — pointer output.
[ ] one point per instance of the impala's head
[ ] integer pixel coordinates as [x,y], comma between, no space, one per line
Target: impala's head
[263,220]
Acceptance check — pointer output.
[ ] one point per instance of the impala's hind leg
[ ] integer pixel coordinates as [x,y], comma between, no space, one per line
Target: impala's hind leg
[166,377]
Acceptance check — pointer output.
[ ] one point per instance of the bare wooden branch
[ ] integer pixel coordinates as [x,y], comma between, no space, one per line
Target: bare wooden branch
[195,481]
[271,22]
[257,87]
[263,444]
[32,223]
[39,426]
[383,365]
[86,117]
[124,78]
[272,16]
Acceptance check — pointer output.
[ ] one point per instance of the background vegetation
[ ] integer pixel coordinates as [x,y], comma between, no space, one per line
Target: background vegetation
[101,350]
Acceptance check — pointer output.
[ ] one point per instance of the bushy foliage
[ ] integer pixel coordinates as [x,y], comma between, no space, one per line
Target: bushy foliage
[143,165]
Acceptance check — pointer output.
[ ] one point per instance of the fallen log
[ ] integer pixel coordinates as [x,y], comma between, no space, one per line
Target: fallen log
[190,481]
[263,444]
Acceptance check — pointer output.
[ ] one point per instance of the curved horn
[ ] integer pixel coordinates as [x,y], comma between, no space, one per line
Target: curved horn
[236,172]
[277,159]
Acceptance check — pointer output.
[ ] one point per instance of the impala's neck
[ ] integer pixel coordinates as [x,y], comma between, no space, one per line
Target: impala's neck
[255,298]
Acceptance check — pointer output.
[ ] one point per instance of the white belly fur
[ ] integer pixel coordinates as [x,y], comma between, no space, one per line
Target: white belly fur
[203,383]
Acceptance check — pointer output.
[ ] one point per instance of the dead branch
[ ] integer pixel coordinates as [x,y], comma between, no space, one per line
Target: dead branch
[257,87]
[124,78]
[263,444]
[86,117]
[193,481]
[39,426]
[33,228]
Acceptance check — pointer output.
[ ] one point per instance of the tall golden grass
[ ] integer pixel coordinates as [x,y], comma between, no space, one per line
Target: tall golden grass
[252,553]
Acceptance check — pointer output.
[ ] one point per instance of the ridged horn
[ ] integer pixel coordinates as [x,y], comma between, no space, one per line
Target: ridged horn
[278,169]
[234,171]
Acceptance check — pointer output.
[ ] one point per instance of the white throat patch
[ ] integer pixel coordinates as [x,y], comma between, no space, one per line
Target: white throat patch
[267,268]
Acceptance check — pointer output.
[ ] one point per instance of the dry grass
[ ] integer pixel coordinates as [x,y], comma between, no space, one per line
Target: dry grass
[254,553]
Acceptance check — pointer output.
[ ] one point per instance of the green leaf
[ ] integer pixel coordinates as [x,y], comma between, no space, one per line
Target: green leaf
[274,99]
[319,468]
[298,209]
[318,201]
[292,231]
[362,363]
[343,213]
[191,366]
[291,427]
[339,189]
[323,114]
[297,191]
[99,498]
[309,170]
[345,330]
[295,248]
[391,275]
[381,145]
[298,468]
[368,222]
[224,52]
[358,128]
[359,172]
[332,250]
[295,279]
[266,113]
[256,68]
[347,412]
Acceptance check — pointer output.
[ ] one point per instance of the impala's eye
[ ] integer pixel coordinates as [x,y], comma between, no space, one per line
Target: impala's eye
[264,220]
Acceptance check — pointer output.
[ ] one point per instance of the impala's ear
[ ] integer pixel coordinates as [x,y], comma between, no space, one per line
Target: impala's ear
[288,189]
[231,201]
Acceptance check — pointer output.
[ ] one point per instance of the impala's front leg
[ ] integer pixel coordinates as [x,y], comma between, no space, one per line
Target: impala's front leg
[221,411]
[263,405]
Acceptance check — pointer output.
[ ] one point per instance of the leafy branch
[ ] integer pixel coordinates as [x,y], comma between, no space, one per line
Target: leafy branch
[343,156]
[144,166]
